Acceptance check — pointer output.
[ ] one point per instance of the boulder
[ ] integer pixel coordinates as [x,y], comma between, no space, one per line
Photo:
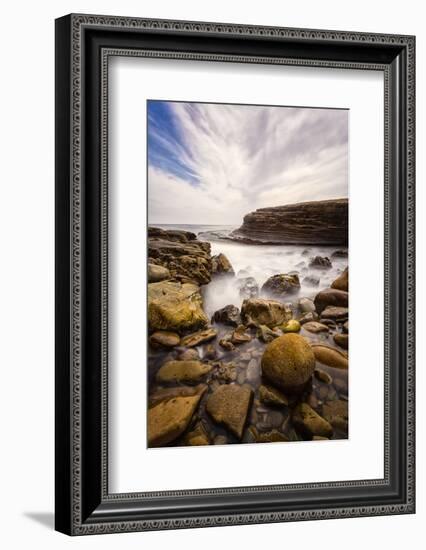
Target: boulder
[317,222]
[157,273]
[189,372]
[341,340]
[177,235]
[314,327]
[331,297]
[288,362]
[169,419]
[281,285]
[257,311]
[335,314]
[342,281]
[164,338]
[175,307]
[320,262]
[228,315]
[330,356]
[197,338]
[229,405]
[310,423]
[221,265]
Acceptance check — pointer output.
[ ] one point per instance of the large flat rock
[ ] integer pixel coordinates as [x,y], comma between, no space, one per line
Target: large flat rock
[317,222]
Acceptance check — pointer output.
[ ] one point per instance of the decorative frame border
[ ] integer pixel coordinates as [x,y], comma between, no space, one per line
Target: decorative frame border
[77,24]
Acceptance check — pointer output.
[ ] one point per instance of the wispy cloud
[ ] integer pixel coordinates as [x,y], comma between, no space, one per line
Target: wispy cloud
[213,163]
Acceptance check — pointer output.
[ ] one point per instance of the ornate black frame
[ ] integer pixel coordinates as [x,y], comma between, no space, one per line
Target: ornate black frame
[83,46]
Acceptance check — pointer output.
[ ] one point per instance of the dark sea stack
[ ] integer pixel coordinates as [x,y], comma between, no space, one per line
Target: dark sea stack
[317,222]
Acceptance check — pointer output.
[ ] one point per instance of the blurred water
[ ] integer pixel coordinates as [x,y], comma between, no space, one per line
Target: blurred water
[260,262]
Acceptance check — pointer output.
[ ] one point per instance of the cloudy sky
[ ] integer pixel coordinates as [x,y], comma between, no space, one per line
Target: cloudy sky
[214,163]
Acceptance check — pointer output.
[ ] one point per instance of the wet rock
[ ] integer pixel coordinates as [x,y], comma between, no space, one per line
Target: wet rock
[315,327]
[281,285]
[157,273]
[247,287]
[220,440]
[271,396]
[291,326]
[163,338]
[320,262]
[330,356]
[175,307]
[197,338]
[288,362]
[165,394]
[310,423]
[335,313]
[342,282]
[323,376]
[229,405]
[308,318]
[331,297]
[257,311]
[336,412]
[198,436]
[345,327]
[341,340]
[169,419]
[329,323]
[312,401]
[311,280]
[306,305]
[228,315]
[189,372]
[320,438]
[240,336]
[266,334]
[221,265]
[332,394]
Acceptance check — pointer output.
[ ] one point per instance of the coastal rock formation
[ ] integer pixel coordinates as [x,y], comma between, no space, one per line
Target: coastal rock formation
[186,258]
[189,372]
[318,222]
[175,307]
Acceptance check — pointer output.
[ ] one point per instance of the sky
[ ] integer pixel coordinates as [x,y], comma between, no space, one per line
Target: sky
[214,163]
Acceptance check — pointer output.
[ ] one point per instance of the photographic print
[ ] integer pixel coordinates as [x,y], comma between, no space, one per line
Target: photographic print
[248,302]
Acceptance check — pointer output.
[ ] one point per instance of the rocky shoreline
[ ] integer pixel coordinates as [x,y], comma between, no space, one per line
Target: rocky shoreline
[273,367]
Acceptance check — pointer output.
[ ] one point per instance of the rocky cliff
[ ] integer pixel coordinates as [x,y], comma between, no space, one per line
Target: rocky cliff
[317,222]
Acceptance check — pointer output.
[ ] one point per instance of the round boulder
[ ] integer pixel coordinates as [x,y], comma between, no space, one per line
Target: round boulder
[288,362]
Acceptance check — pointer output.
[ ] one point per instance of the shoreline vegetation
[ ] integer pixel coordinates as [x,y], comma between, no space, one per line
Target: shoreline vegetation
[272,367]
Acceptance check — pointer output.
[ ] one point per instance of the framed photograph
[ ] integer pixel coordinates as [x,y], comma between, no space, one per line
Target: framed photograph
[215,186]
